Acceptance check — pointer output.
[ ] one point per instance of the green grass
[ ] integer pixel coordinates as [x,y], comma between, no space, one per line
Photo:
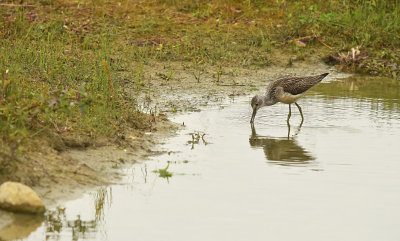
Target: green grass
[59,81]
[70,63]
[373,25]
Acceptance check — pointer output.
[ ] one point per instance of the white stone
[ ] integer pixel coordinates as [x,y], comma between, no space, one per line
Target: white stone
[17,197]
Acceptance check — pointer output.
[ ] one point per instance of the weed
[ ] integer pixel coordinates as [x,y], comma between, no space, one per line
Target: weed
[164,173]
[196,137]
[218,72]
[168,76]
[198,70]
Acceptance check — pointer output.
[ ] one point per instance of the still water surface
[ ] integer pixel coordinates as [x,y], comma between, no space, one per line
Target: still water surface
[336,178]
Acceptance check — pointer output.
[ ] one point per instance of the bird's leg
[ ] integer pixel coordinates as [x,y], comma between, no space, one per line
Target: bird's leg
[298,130]
[290,114]
[301,113]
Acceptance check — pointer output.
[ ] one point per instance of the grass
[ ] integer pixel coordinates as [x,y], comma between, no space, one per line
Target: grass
[163,172]
[373,26]
[59,81]
[71,63]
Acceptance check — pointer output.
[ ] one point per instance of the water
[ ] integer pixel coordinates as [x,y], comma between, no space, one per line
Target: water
[335,178]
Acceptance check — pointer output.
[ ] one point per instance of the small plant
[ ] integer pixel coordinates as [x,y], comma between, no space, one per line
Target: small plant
[168,76]
[198,70]
[164,173]
[170,73]
[218,72]
[196,137]
[110,84]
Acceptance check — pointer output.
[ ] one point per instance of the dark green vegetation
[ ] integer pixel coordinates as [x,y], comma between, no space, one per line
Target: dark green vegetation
[77,66]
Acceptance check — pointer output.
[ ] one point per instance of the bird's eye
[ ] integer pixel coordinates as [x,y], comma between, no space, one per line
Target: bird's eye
[256,104]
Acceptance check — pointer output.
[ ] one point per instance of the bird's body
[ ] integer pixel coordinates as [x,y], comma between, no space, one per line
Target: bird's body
[285,90]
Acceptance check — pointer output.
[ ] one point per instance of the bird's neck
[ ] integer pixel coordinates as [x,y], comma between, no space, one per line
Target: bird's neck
[267,100]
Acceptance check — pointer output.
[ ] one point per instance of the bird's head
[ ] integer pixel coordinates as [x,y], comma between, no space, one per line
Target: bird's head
[256,103]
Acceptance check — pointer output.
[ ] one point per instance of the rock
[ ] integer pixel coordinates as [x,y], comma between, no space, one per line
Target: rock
[17,197]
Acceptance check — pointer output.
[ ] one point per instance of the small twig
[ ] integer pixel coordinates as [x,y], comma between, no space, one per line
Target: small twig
[16,5]
[39,131]
[55,125]
[319,40]
[306,39]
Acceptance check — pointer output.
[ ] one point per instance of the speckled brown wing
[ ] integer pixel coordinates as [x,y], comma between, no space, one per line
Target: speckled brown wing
[295,85]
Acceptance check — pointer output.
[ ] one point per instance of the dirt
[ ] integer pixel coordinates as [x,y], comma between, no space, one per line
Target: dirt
[65,167]
[70,173]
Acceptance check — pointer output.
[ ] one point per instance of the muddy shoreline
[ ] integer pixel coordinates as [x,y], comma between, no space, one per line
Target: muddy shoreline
[180,94]
[67,175]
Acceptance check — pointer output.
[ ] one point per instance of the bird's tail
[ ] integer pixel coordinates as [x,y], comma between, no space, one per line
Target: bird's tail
[318,78]
[313,80]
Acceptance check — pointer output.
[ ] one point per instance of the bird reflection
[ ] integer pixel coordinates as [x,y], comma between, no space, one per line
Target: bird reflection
[281,151]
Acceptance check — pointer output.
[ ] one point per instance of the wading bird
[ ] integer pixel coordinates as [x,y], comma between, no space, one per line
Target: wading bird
[285,90]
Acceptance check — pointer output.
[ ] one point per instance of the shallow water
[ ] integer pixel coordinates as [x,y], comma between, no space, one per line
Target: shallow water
[335,178]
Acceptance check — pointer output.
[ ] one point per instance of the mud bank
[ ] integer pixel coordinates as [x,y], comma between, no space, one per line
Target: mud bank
[66,173]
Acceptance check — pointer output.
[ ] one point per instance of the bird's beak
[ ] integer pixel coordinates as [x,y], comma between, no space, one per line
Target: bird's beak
[253,116]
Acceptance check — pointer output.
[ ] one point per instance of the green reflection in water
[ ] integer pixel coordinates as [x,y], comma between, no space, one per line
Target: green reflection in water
[375,89]
[56,221]
[281,151]
[102,197]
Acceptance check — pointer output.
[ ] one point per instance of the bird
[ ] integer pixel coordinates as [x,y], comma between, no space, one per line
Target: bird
[286,90]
